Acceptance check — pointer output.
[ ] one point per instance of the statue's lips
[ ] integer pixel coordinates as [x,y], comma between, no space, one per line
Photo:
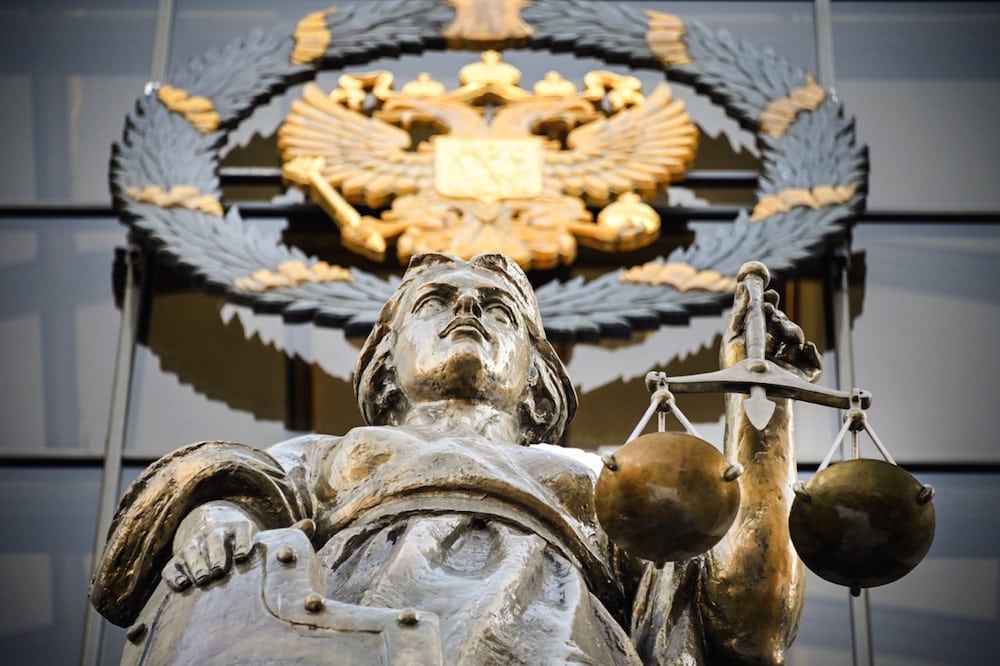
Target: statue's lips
[466,327]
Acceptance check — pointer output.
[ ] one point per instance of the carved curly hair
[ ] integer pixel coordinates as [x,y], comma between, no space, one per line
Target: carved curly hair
[549,403]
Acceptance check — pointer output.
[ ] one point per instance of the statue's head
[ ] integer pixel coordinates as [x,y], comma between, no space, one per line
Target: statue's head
[465,331]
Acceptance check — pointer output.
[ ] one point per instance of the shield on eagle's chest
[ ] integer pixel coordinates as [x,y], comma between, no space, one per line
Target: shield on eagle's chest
[489,168]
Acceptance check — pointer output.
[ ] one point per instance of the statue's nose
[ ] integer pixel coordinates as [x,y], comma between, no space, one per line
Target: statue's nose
[468,305]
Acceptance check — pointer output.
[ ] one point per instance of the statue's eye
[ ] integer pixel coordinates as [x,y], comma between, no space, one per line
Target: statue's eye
[429,304]
[501,312]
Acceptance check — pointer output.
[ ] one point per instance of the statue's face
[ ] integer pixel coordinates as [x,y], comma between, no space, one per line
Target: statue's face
[460,335]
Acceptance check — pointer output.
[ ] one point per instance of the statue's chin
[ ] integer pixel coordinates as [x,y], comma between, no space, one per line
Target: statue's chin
[465,373]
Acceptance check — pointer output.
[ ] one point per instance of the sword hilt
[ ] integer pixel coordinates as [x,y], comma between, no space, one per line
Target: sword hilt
[754,277]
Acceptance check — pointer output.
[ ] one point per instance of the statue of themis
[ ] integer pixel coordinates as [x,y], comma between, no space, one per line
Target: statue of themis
[441,532]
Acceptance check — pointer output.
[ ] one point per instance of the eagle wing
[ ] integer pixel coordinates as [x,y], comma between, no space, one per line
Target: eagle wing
[368,160]
[637,149]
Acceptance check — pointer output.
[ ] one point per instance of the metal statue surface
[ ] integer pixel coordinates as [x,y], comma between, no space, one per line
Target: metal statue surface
[440,533]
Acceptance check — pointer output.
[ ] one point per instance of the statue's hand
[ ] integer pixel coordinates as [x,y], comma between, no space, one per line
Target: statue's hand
[206,544]
[785,343]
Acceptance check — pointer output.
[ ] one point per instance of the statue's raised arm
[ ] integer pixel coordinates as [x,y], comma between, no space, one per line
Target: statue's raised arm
[754,581]
[438,532]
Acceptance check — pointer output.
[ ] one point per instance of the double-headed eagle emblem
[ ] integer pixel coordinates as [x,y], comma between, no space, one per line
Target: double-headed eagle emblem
[489,166]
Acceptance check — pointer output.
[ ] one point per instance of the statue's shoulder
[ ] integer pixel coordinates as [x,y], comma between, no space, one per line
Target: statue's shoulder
[302,449]
[140,538]
[572,458]
[308,453]
[391,435]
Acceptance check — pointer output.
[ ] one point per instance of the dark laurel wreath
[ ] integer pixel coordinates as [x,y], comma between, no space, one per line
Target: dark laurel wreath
[161,148]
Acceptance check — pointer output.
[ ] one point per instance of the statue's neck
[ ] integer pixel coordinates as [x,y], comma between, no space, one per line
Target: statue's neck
[459,415]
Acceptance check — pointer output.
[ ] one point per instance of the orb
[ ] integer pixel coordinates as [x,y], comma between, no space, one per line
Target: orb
[862,523]
[664,498]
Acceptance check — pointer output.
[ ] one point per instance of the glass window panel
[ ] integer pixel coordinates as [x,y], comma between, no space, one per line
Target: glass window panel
[17,178]
[167,414]
[203,24]
[200,378]
[824,637]
[924,340]
[787,27]
[70,72]
[946,611]
[58,325]
[47,522]
[112,644]
[923,79]
[817,426]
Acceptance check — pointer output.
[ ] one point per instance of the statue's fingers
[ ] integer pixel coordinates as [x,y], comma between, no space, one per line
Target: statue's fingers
[193,557]
[783,328]
[175,576]
[792,332]
[242,536]
[811,356]
[217,553]
[772,297]
[774,339]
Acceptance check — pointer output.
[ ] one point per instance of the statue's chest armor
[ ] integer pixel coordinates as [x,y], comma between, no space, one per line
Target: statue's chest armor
[372,465]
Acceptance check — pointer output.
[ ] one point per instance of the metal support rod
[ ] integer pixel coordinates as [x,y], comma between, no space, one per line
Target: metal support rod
[688,426]
[877,442]
[855,420]
[837,442]
[654,405]
[661,403]
[861,631]
[115,444]
[93,629]
[824,45]
[860,613]
[161,40]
